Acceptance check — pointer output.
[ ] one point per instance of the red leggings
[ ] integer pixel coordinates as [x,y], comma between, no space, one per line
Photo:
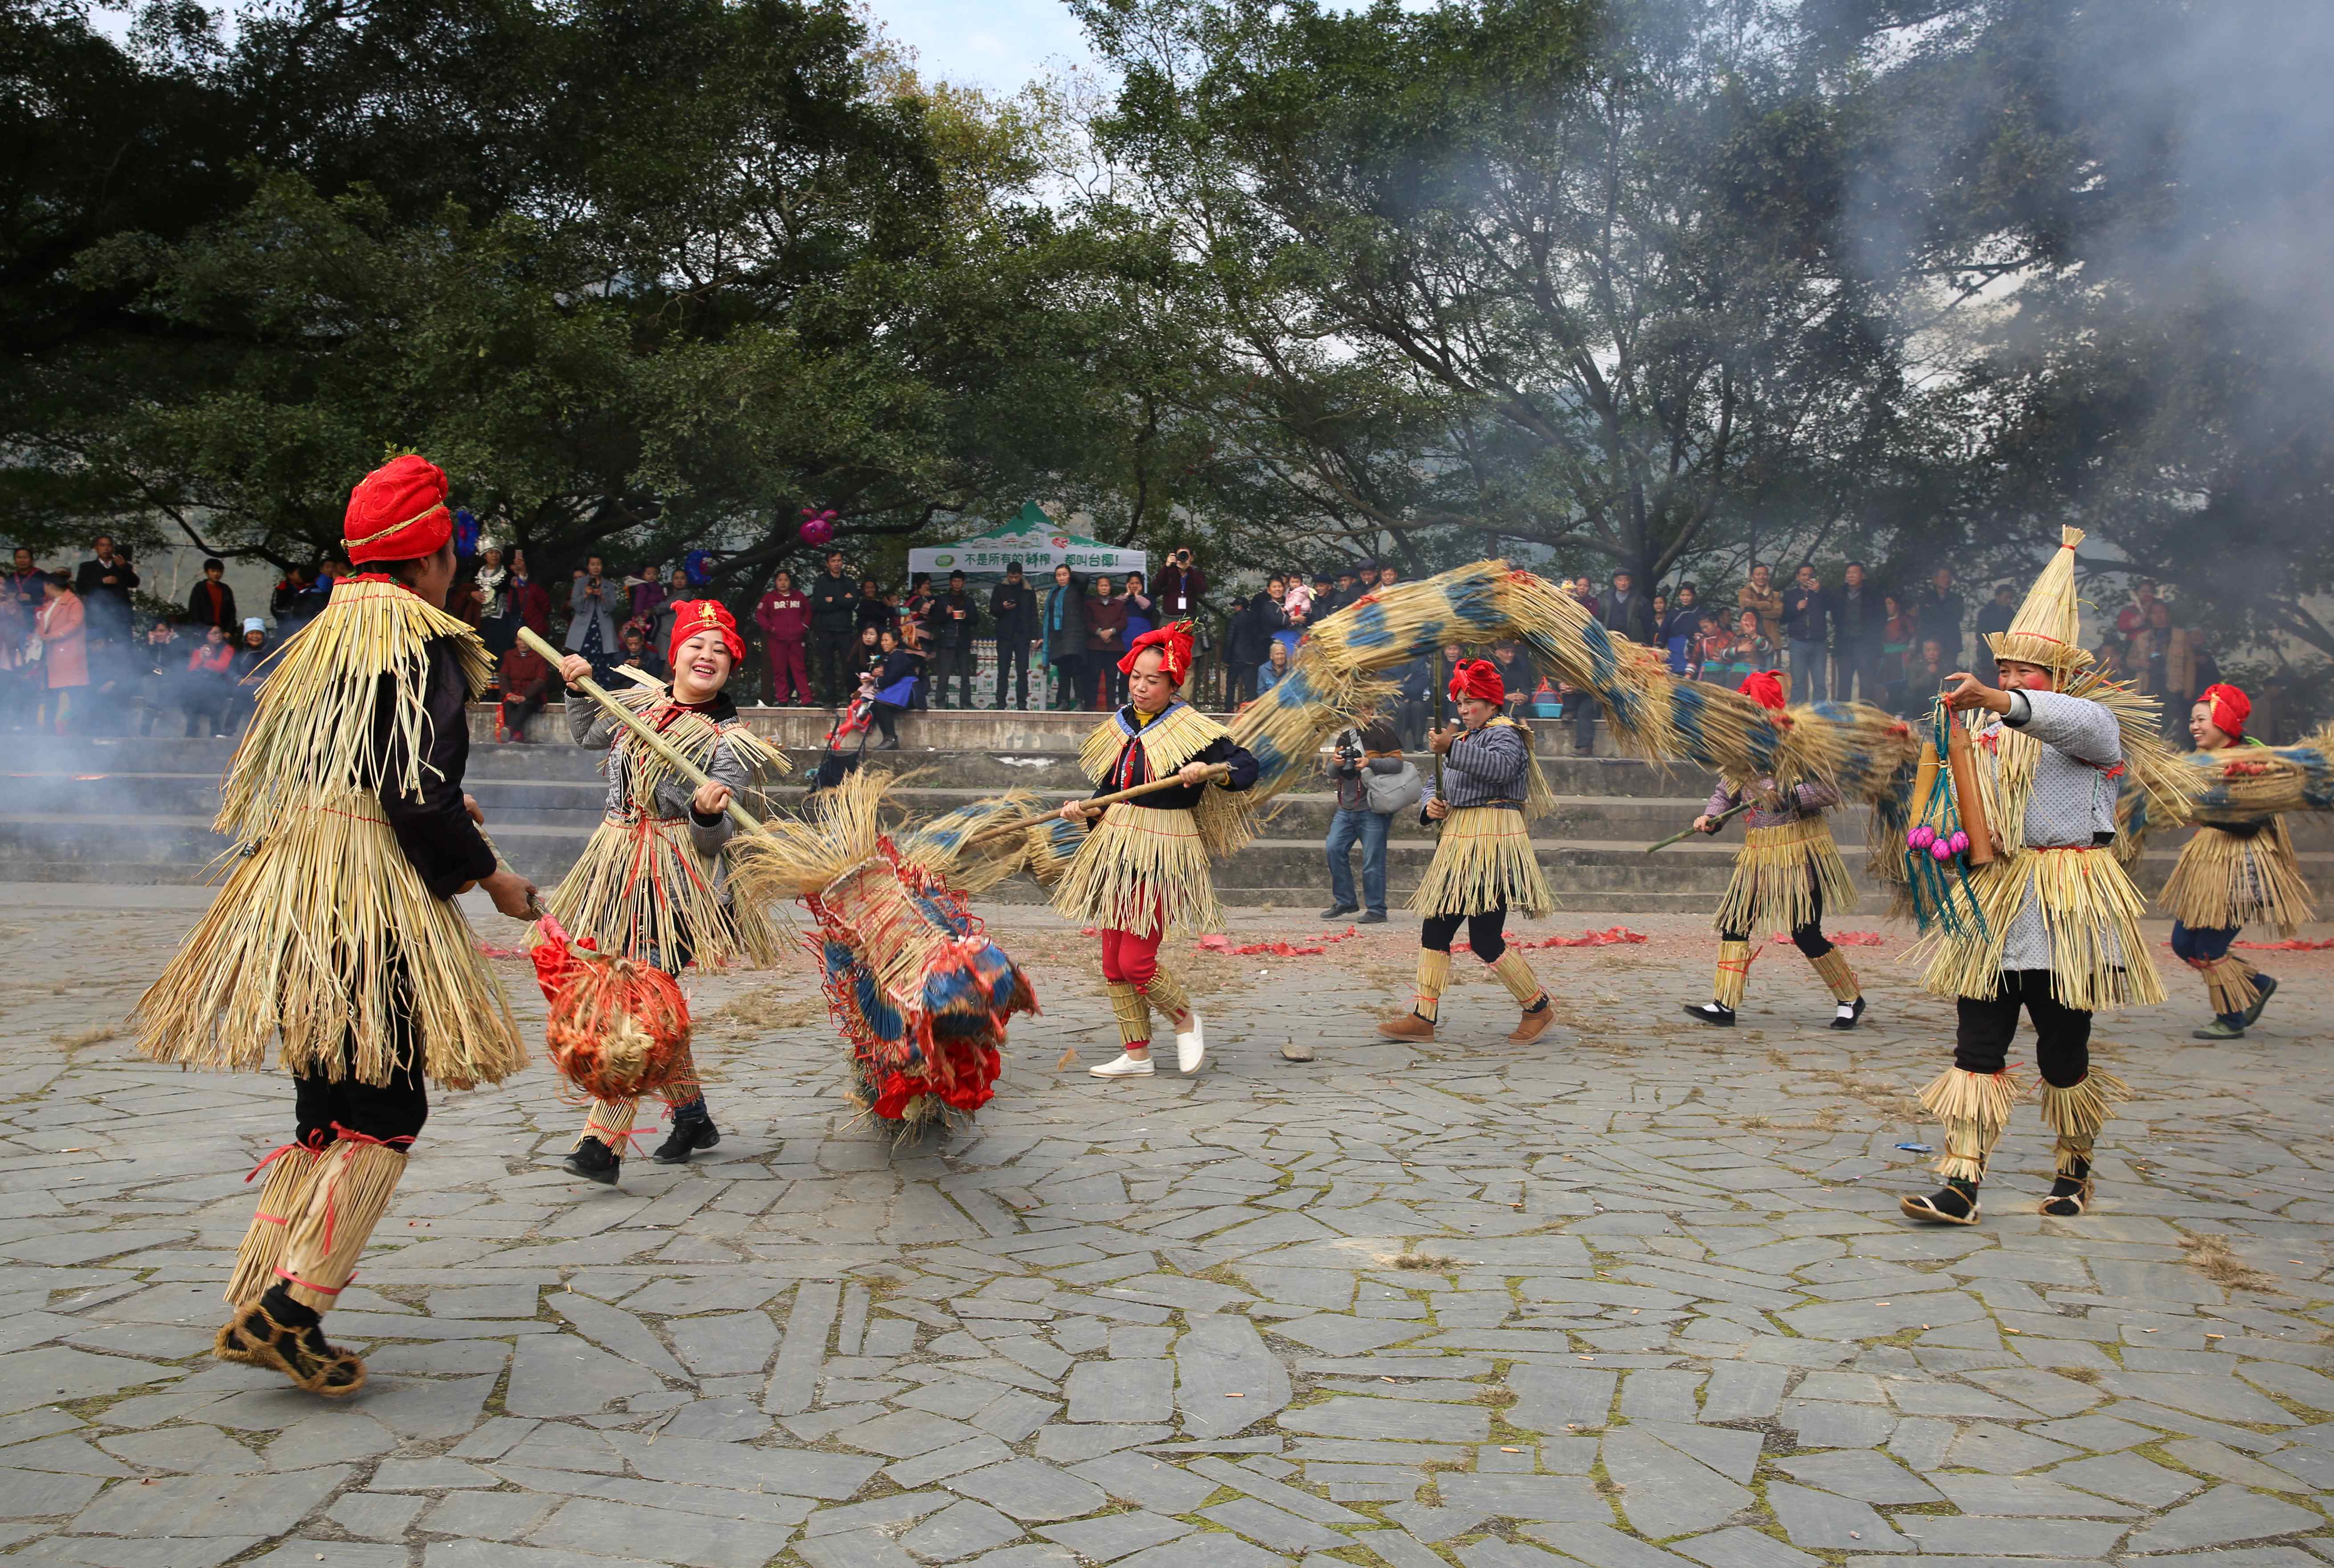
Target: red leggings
[1128,959]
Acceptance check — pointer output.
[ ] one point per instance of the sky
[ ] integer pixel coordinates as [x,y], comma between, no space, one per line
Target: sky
[997,44]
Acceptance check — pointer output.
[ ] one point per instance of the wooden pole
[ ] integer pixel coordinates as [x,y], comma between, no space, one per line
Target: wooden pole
[1968,799]
[1022,824]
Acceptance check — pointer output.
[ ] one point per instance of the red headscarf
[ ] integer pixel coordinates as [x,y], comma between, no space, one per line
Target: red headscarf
[398,513]
[691,616]
[2228,708]
[1763,687]
[1479,679]
[1174,642]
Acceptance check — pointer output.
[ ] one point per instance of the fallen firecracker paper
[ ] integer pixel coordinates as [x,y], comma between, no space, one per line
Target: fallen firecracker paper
[2294,947]
[1217,942]
[488,950]
[1611,936]
[1841,939]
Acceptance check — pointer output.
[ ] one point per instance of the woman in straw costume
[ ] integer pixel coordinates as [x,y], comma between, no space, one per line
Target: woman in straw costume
[1484,864]
[336,937]
[2057,932]
[1788,873]
[650,883]
[1143,871]
[2234,872]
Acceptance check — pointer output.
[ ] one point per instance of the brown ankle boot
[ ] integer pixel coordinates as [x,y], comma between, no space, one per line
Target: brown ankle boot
[300,1354]
[1407,1026]
[1534,1025]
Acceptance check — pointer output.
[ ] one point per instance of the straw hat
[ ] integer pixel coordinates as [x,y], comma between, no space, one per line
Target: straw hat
[2047,630]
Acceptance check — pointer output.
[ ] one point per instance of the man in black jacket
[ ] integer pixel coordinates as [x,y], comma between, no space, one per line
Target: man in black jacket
[1248,640]
[211,603]
[1939,613]
[953,618]
[835,641]
[1625,611]
[1013,611]
[1807,614]
[1859,626]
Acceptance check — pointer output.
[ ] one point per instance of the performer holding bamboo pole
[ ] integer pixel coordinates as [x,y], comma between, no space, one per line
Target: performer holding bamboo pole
[1487,787]
[2054,925]
[2233,873]
[651,882]
[336,937]
[1787,874]
[1143,871]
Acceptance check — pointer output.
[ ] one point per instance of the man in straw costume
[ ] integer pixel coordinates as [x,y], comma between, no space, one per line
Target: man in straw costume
[1788,873]
[650,883]
[2234,872]
[1490,786]
[337,935]
[2057,932]
[1143,871]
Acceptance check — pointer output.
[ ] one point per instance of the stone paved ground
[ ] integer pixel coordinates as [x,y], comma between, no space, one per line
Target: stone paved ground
[1635,1297]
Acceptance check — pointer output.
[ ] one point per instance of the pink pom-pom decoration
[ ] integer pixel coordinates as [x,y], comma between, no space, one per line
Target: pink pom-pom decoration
[1941,851]
[818,527]
[1922,836]
[1960,842]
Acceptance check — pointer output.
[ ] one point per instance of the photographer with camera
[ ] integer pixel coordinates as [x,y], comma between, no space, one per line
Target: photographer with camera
[1373,782]
[596,608]
[1176,590]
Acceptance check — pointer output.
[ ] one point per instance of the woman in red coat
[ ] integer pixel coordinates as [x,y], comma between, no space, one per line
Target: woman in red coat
[64,647]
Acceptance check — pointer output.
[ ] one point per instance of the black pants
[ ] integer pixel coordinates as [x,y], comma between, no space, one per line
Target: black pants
[1486,933]
[886,714]
[1582,709]
[1410,723]
[837,653]
[952,664]
[2063,1034]
[516,711]
[1808,939]
[1013,654]
[388,1111]
[1069,676]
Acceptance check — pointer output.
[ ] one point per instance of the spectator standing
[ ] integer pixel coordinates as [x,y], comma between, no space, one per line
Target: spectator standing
[526,682]
[1013,615]
[657,635]
[530,601]
[2133,616]
[1994,616]
[103,587]
[1758,595]
[209,682]
[162,685]
[211,603]
[1066,637]
[784,616]
[1141,609]
[1807,615]
[62,631]
[1679,630]
[1387,577]
[1180,587]
[298,598]
[20,608]
[1896,639]
[919,609]
[2162,658]
[954,618]
[1749,648]
[649,596]
[1373,782]
[1107,643]
[642,655]
[1628,611]
[1518,676]
[1275,666]
[872,610]
[1253,626]
[1711,643]
[1938,613]
[1925,676]
[23,584]
[1413,690]
[596,607]
[497,626]
[834,629]
[243,673]
[1347,590]
[1859,623]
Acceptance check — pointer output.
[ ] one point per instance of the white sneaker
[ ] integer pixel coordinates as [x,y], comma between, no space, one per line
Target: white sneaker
[1125,1066]
[1190,1046]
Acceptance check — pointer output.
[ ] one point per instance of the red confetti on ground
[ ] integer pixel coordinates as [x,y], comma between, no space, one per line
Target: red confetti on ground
[488,950]
[1218,942]
[1842,939]
[2295,946]
[1611,936]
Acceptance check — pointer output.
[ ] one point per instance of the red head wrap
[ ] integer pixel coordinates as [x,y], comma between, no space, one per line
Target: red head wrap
[1174,642]
[691,616]
[1479,679]
[1763,687]
[2228,708]
[398,513]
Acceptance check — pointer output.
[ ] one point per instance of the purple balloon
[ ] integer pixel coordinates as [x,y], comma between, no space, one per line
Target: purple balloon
[817,530]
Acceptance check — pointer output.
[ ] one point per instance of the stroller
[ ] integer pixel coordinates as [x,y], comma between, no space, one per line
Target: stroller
[858,717]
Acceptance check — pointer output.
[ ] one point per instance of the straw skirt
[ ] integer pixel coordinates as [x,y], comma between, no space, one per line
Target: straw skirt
[1483,862]
[2223,881]
[1777,872]
[1142,870]
[641,887]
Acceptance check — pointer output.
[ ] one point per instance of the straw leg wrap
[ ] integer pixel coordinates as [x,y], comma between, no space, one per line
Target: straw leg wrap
[1974,1107]
[2077,1113]
[354,1179]
[1733,973]
[610,1121]
[1515,972]
[1834,968]
[2229,980]
[1434,974]
[1133,1012]
[1166,994]
[289,1173]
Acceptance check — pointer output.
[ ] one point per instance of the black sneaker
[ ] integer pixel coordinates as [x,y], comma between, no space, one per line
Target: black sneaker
[2264,987]
[686,1138]
[1713,1012]
[1339,911]
[1372,917]
[594,1161]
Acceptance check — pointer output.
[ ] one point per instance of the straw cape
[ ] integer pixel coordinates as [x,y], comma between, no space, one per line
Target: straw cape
[324,935]
[1142,869]
[641,885]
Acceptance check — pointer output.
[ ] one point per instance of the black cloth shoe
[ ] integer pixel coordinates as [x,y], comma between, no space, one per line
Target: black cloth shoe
[2264,987]
[594,1161]
[1854,1016]
[689,1134]
[2070,1194]
[1712,1012]
[1956,1203]
[1372,917]
[1339,911]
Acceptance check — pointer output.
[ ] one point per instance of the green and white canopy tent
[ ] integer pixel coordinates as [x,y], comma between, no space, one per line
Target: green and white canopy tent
[1033,539]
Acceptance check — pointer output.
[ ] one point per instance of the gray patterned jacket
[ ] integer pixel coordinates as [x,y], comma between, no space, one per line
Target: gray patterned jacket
[1483,767]
[2074,797]
[592,726]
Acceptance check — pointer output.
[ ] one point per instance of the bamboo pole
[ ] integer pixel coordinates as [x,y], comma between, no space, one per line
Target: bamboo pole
[1022,824]
[1716,823]
[641,727]
[1968,800]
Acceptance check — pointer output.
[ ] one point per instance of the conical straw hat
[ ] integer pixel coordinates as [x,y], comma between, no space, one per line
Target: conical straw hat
[2048,628]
